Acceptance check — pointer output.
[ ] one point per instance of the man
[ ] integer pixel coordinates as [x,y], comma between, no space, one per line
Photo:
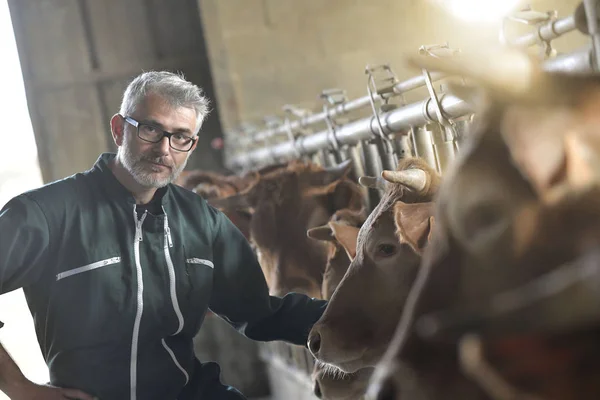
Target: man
[119,266]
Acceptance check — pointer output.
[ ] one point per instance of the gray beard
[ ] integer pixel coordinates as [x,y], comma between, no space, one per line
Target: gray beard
[135,166]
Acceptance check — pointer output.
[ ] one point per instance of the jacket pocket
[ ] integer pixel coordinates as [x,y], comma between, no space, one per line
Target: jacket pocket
[88,267]
[200,261]
[92,304]
[198,286]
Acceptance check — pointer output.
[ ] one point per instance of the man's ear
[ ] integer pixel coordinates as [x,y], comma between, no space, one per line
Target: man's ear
[117,128]
[195,143]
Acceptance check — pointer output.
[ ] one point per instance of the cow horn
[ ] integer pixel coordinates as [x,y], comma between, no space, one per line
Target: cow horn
[339,170]
[415,179]
[372,182]
[321,233]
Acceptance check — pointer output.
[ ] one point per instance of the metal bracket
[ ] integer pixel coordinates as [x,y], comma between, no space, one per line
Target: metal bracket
[332,97]
[293,137]
[591,13]
[438,51]
[384,90]
[530,17]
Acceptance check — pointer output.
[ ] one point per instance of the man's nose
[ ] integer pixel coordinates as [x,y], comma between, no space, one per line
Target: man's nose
[164,146]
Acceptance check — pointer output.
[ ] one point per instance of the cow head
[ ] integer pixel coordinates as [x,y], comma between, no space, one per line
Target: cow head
[210,185]
[519,203]
[286,202]
[340,233]
[361,316]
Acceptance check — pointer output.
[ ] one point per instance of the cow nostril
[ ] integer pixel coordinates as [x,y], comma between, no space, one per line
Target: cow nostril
[317,390]
[314,343]
[388,390]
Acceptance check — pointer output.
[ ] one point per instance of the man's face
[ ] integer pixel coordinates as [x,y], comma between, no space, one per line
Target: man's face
[156,164]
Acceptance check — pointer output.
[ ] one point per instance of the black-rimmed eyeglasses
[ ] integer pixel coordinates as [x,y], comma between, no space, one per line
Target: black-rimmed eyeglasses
[152,134]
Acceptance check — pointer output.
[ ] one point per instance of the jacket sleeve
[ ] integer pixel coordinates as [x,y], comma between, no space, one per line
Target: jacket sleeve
[24,243]
[241,297]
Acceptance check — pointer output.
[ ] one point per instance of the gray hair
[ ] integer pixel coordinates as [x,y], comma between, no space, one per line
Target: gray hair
[173,88]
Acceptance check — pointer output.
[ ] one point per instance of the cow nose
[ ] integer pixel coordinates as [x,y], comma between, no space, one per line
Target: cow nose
[388,390]
[317,390]
[314,343]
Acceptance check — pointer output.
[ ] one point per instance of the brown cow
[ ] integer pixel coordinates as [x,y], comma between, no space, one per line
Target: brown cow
[341,234]
[211,185]
[359,321]
[286,203]
[504,288]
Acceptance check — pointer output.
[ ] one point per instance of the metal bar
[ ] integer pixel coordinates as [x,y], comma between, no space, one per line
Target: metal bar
[341,109]
[415,114]
[547,32]
[397,120]
[592,23]
[579,61]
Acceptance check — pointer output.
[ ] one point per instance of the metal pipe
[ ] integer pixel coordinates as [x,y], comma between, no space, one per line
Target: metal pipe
[579,61]
[373,167]
[341,109]
[423,145]
[591,8]
[400,119]
[547,32]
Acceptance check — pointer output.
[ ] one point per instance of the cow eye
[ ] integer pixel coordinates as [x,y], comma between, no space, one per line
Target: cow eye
[386,250]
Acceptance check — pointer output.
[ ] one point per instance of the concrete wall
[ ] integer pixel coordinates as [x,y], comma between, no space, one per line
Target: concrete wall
[266,53]
[77,57]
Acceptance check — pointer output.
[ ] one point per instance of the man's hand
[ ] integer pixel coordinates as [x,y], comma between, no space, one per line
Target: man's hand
[33,391]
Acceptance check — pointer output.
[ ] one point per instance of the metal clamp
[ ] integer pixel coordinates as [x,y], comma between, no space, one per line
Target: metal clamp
[293,137]
[385,92]
[591,12]
[438,51]
[528,16]
[332,97]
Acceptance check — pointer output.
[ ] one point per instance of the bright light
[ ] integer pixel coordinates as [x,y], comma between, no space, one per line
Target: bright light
[479,10]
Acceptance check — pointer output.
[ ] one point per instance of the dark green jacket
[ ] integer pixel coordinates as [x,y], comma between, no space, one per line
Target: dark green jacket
[117,294]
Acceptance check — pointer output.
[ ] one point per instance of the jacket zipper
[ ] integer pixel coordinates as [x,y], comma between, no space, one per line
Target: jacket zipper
[172,281]
[140,301]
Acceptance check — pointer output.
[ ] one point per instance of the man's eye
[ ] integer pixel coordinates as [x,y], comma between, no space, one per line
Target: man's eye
[386,250]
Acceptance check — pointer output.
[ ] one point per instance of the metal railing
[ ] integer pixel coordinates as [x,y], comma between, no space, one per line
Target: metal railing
[549,29]
[401,119]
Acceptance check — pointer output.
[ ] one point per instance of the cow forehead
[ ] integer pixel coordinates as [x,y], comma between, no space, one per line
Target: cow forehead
[375,218]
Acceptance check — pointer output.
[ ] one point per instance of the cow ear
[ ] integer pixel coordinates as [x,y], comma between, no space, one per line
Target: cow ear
[414,224]
[346,236]
[321,233]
